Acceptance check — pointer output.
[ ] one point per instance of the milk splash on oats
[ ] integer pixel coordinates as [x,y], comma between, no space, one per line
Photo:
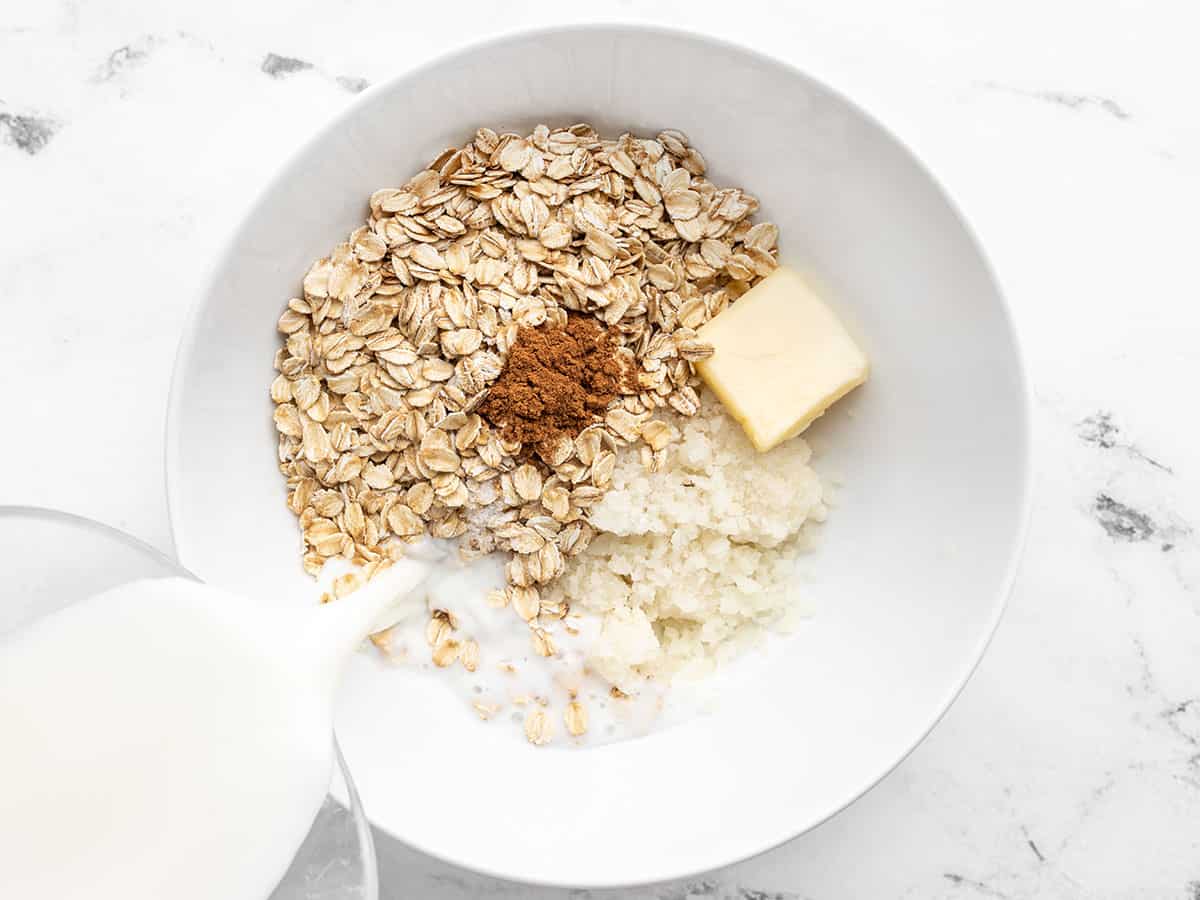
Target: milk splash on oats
[484,654]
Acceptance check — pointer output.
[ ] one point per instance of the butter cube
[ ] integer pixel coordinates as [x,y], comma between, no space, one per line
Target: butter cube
[780,359]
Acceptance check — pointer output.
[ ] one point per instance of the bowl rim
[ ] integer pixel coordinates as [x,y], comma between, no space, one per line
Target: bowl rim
[1024,441]
[17,510]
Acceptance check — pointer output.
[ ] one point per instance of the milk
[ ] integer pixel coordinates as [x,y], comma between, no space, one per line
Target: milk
[169,740]
[511,679]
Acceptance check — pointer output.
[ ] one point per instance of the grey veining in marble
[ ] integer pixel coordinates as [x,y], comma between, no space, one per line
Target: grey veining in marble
[282,66]
[28,133]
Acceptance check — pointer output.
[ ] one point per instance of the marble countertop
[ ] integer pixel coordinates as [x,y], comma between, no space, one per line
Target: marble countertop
[133,133]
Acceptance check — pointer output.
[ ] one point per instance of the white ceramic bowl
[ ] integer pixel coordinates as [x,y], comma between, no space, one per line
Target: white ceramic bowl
[915,562]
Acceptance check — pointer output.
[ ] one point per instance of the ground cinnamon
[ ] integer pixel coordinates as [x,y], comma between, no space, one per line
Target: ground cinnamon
[557,381]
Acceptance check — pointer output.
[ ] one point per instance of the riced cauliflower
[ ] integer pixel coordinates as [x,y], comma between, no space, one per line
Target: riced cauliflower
[695,560]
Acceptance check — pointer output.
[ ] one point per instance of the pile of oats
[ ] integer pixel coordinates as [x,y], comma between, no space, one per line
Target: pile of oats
[401,330]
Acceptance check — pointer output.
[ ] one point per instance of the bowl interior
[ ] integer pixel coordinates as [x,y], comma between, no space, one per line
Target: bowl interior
[913,565]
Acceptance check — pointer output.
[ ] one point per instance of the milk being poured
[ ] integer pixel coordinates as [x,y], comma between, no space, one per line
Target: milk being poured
[165,739]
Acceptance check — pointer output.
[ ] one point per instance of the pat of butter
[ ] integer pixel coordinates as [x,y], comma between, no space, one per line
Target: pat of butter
[780,359]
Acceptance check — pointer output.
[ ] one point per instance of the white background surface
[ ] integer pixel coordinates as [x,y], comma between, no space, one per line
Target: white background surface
[1070,134]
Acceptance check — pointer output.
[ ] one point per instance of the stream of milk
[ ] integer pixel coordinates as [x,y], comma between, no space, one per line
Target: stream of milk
[511,679]
[166,739]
